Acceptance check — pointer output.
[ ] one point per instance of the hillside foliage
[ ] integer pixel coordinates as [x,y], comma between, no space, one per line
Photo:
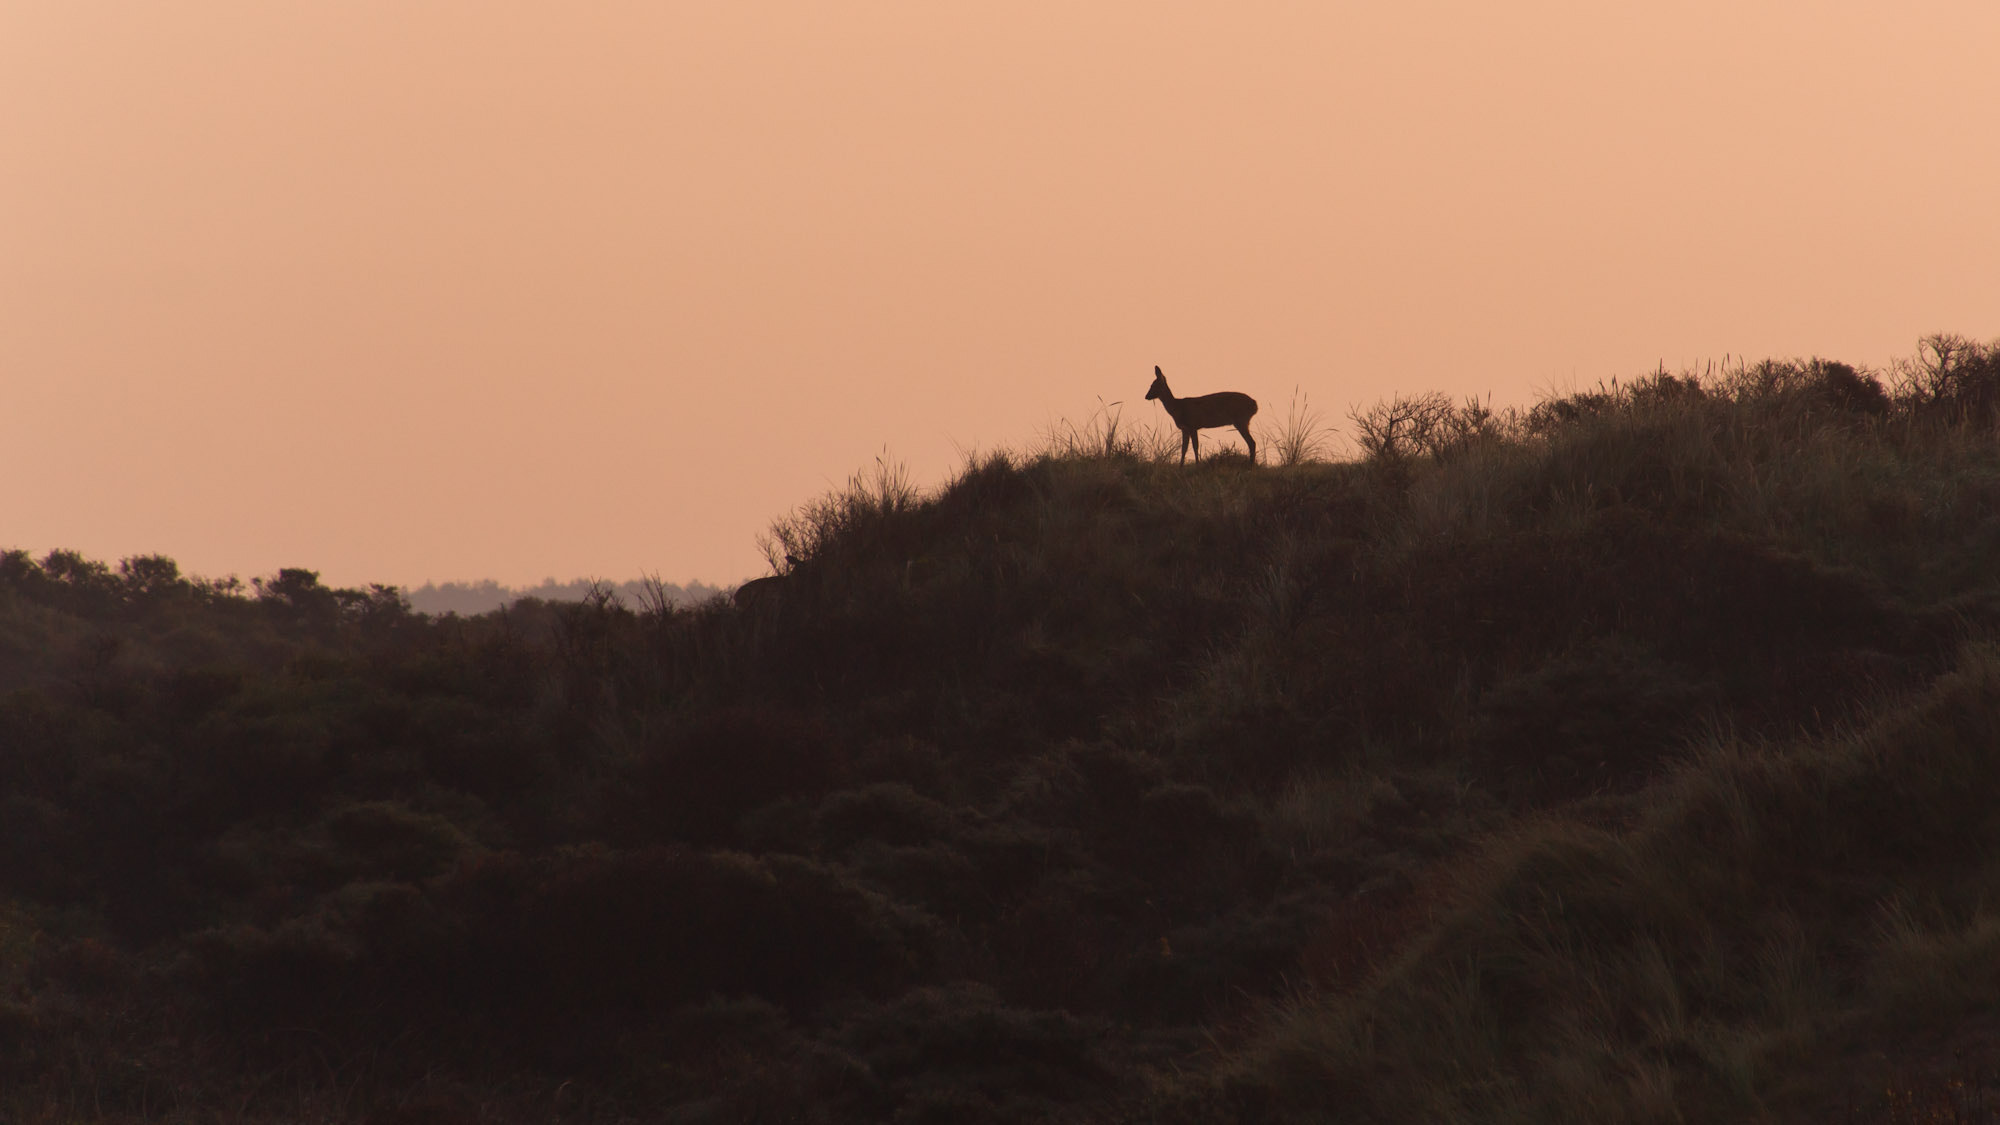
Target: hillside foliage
[469,599]
[1630,758]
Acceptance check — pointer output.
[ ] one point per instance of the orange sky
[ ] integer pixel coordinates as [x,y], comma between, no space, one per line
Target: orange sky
[415,290]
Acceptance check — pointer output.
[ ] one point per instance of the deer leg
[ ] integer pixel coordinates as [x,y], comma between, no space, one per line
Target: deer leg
[1195,437]
[1244,429]
[1184,437]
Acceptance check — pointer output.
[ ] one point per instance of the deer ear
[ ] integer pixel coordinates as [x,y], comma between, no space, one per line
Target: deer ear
[1157,371]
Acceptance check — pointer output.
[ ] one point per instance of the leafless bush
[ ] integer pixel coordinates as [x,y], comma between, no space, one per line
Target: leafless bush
[1950,374]
[656,597]
[1427,424]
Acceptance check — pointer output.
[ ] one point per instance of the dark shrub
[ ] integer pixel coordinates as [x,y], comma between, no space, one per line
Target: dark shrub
[667,925]
[984,488]
[719,1022]
[36,743]
[38,847]
[1661,387]
[408,937]
[1847,389]
[1054,942]
[367,946]
[236,765]
[428,1108]
[82,586]
[913,761]
[1736,604]
[936,877]
[1598,718]
[193,693]
[1011,855]
[740,1059]
[21,1031]
[891,813]
[1174,821]
[1083,782]
[17,568]
[387,839]
[1729,609]
[698,783]
[294,970]
[1190,972]
[88,965]
[295,597]
[152,578]
[467,746]
[965,1039]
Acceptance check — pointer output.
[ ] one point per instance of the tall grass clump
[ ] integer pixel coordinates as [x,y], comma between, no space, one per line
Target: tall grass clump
[1304,435]
[849,518]
[1105,433]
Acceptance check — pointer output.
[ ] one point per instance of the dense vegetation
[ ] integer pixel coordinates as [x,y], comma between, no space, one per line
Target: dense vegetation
[1633,758]
[472,598]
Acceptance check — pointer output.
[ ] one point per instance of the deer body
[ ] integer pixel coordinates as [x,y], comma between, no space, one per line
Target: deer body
[766,590]
[758,591]
[1205,412]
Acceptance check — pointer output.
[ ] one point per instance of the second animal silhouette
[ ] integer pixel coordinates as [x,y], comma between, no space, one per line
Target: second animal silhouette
[1205,412]
[766,590]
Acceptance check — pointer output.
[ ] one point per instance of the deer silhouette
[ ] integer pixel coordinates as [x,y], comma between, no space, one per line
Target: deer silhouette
[1205,412]
[765,590]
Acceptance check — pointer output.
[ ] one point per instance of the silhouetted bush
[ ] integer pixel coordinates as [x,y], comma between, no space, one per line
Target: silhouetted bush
[302,968]
[984,491]
[1176,823]
[466,745]
[665,926]
[274,757]
[889,812]
[1190,973]
[1427,424]
[36,837]
[1850,390]
[192,694]
[1598,719]
[89,966]
[935,1043]
[1952,379]
[937,877]
[386,839]
[697,783]
[1055,942]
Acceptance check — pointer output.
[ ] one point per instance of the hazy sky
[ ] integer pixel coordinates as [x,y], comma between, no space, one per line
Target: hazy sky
[414,290]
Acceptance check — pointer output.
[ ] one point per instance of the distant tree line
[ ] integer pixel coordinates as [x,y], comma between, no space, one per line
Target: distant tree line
[470,598]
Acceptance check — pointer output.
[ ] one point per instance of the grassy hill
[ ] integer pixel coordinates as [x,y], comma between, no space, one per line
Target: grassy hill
[1633,758]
